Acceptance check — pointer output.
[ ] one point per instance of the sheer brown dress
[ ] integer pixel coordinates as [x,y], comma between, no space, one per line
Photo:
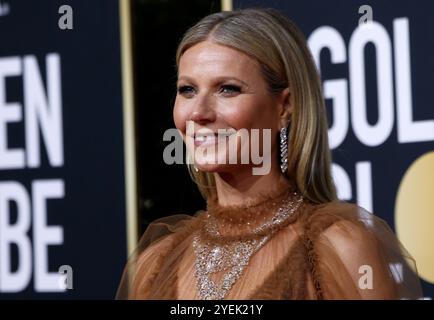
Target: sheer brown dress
[335,250]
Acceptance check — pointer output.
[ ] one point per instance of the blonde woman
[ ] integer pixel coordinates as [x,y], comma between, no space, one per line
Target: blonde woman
[281,234]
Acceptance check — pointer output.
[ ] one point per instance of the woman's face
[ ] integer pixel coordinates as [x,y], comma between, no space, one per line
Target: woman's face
[221,89]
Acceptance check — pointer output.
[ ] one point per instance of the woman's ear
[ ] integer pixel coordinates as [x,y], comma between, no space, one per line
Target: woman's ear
[286,107]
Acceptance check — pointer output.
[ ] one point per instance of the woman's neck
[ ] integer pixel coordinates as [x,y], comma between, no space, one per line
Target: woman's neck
[243,187]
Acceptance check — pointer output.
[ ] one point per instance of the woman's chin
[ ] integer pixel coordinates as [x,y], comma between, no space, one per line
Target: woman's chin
[210,167]
[221,168]
[217,163]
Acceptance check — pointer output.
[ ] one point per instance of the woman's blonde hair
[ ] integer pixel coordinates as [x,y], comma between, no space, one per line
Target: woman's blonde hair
[281,50]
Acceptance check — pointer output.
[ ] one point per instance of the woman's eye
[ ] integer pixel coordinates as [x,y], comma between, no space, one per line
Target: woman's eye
[186,90]
[230,90]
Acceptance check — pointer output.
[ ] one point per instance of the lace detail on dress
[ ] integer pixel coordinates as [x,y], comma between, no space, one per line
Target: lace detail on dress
[312,265]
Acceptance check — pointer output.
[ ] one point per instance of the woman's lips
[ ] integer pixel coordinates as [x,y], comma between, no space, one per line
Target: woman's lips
[206,140]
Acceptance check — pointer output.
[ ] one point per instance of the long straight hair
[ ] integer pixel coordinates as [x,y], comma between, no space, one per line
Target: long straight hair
[285,61]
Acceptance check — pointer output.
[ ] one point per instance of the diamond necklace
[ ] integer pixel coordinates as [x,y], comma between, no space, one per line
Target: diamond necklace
[235,255]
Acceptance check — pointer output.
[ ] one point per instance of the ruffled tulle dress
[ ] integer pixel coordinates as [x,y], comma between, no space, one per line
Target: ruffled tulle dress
[335,250]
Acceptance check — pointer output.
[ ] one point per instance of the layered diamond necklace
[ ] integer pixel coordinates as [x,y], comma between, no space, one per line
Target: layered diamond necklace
[234,256]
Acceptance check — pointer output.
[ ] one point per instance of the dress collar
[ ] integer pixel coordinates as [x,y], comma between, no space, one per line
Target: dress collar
[257,217]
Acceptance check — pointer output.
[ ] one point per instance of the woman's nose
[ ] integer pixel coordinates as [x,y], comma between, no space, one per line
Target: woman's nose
[203,112]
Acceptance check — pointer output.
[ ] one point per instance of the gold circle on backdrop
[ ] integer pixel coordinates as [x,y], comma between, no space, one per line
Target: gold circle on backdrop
[414,214]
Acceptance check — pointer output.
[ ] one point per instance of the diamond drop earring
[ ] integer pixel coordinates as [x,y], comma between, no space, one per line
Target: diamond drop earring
[283,150]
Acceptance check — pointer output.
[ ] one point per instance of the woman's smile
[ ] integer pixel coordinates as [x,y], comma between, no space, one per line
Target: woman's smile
[210,138]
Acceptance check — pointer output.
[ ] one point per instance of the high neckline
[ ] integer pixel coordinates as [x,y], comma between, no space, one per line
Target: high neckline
[236,222]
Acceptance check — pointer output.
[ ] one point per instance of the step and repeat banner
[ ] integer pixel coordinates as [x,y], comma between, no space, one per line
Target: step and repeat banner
[377,67]
[62,155]
[62,186]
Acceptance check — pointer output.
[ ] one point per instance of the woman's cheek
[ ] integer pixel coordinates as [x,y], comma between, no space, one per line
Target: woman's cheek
[243,118]
[234,114]
[180,118]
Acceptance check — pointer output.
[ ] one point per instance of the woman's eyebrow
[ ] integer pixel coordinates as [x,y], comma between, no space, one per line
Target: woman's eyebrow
[216,79]
[186,78]
[222,79]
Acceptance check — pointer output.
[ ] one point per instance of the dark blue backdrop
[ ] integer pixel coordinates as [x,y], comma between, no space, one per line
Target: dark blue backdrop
[90,210]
